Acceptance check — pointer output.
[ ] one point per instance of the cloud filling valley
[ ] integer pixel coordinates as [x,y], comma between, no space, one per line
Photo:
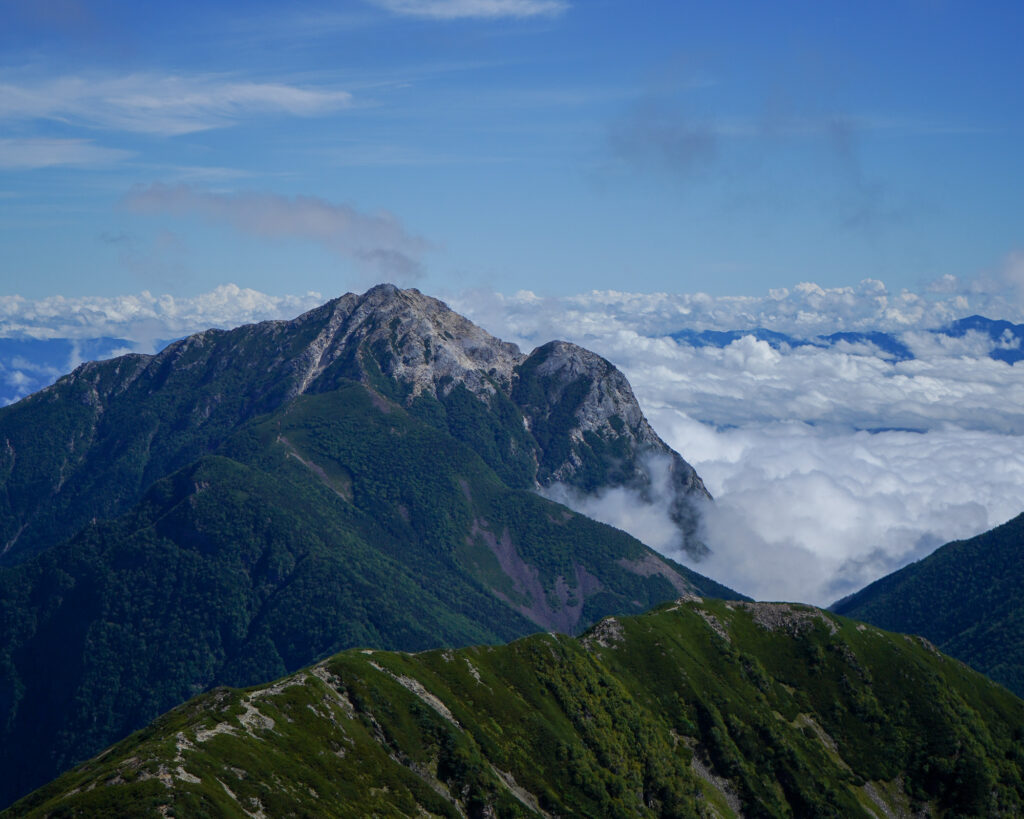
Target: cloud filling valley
[831,466]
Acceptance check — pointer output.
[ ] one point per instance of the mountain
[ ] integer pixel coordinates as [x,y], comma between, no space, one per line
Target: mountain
[887,345]
[966,597]
[701,708]
[561,414]
[723,338]
[1006,336]
[247,502]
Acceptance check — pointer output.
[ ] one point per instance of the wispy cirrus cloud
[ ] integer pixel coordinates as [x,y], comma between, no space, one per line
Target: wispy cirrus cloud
[161,104]
[481,9]
[378,242]
[41,152]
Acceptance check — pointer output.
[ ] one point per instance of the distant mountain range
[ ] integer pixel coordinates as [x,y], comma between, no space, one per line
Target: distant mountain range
[247,502]
[967,597]
[700,709]
[1006,338]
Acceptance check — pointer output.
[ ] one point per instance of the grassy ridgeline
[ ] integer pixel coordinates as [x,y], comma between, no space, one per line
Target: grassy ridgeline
[699,708]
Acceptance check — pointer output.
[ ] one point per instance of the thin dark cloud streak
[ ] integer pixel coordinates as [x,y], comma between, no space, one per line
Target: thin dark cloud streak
[377,242]
[863,199]
[656,136]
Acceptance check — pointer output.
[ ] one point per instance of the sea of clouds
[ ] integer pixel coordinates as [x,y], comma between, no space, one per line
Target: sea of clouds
[830,465]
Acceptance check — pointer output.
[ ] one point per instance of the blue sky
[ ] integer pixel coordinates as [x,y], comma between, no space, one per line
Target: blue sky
[549,145]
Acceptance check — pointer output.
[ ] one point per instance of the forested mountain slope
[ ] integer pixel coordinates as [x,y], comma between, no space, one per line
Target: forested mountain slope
[967,597]
[248,502]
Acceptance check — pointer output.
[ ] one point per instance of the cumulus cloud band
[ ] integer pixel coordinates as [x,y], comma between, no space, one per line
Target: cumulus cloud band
[143,317]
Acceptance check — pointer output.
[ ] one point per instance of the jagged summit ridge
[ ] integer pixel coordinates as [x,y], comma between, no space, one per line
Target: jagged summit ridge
[418,341]
[433,343]
[566,394]
[430,342]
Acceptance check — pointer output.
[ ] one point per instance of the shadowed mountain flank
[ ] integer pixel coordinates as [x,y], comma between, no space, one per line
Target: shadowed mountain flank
[966,597]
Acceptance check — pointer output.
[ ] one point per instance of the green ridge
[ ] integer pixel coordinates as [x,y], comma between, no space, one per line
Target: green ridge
[701,708]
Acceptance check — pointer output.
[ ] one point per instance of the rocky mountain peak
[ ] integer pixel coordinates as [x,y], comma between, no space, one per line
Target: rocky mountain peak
[571,394]
[562,364]
[567,415]
[409,337]
[560,415]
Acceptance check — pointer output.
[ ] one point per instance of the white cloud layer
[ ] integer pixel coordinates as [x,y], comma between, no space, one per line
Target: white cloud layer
[459,9]
[819,486]
[808,514]
[162,104]
[806,309]
[144,318]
